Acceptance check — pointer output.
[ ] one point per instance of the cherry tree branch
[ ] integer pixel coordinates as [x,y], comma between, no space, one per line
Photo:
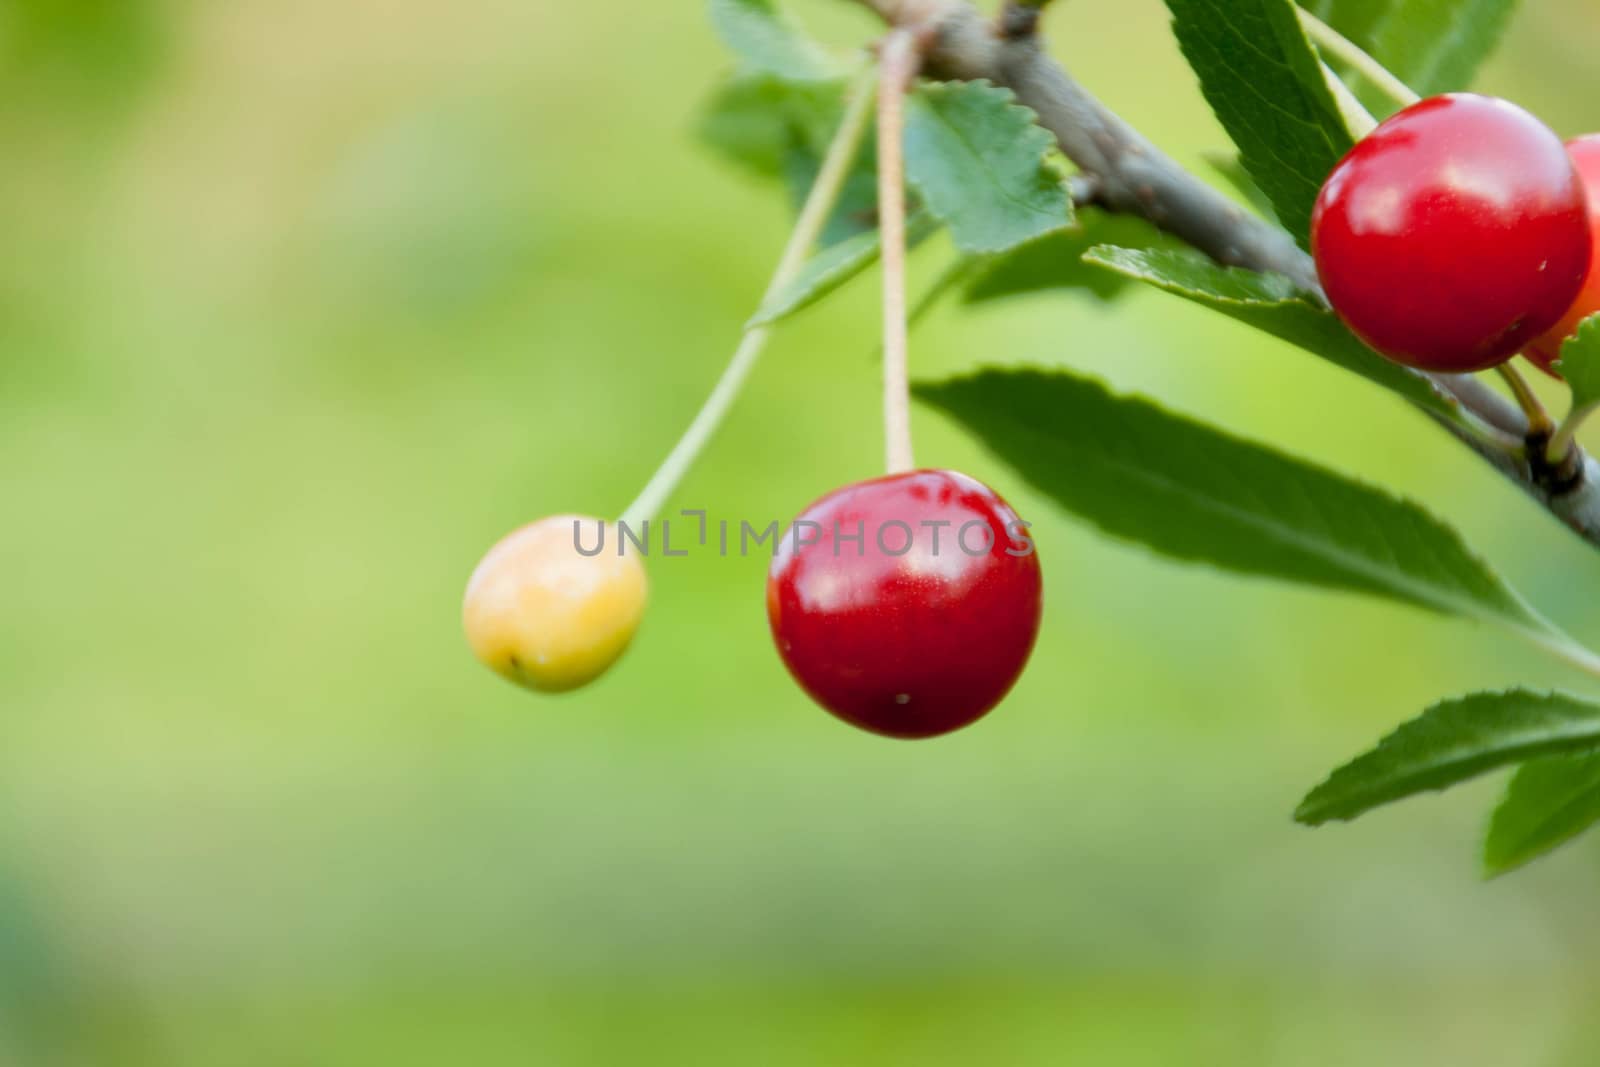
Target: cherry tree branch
[1128,174]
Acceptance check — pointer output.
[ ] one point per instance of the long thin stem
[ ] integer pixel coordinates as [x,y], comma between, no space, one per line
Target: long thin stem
[899,60]
[1336,44]
[813,217]
[1564,440]
[1559,646]
[1539,424]
[1357,119]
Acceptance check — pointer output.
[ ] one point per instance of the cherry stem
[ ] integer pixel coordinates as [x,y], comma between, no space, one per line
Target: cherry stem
[1564,440]
[1560,645]
[814,214]
[1357,119]
[899,59]
[1539,424]
[1339,46]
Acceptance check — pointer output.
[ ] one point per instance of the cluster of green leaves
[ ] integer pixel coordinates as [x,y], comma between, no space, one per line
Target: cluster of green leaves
[980,168]
[978,164]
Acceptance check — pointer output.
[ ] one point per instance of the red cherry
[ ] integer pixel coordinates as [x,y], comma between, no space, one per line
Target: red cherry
[906,605]
[1454,234]
[1585,153]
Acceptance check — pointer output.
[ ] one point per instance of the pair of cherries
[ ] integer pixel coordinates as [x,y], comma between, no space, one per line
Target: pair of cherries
[906,605]
[1461,232]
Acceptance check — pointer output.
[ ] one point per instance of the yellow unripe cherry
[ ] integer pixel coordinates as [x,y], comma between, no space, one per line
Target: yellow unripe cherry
[543,614]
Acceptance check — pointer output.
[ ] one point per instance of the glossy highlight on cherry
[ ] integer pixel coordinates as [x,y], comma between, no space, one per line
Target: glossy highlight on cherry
[1454,234]
[907,605]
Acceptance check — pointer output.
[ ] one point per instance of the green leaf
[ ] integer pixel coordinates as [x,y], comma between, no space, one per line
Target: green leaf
[781,129]
[1271,304]
[1451,742]
[1580,364]
[830,269]
[857,209]
[1548,803]
[1261,77]
[1055,261]
[760,121]
[1437,45]
[1194,493]
[1194,275]
[821,275]
[1434,46]
[768,41]
[978,159]
[1230,170]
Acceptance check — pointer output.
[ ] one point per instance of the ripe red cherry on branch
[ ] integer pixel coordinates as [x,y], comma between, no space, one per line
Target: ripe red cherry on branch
[1454,234]
[1585,153]
[911,603]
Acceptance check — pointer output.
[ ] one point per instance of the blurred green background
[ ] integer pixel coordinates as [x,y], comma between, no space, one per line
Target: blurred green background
[303,304]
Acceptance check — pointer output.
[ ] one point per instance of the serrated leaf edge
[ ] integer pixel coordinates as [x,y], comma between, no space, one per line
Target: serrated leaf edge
[1033,132]
[1304,811]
